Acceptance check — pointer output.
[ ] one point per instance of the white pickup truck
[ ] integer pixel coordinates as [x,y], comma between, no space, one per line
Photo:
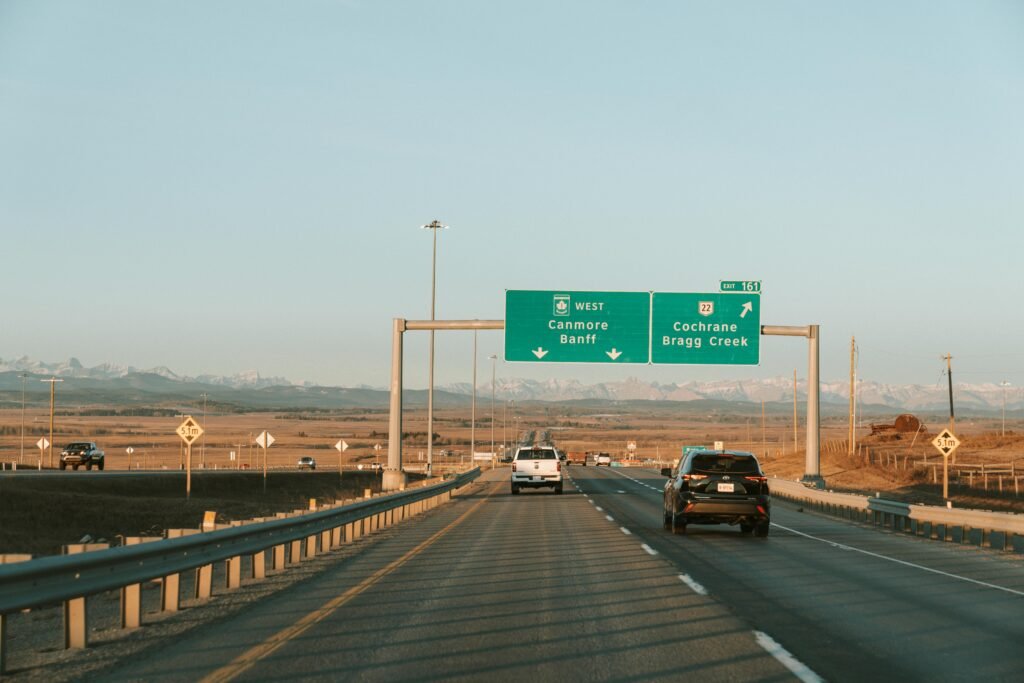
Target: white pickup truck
[536,467]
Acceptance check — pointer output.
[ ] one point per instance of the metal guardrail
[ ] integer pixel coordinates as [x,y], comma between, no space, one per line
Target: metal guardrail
[52,580]
[998,530]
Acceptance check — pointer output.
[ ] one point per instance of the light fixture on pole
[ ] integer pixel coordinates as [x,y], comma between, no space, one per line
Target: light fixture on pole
[53,383]
[433,226]
[1004,384]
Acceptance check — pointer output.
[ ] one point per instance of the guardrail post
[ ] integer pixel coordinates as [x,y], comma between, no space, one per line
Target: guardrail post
[311,546]
[233,573]
[76,632]
[7,559]
[277,559]
[131,596]
[258,564]
[170,590]
[326,540]
[295,552]
[204,582]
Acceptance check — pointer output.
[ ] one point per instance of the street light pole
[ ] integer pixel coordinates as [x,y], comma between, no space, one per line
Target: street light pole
[433,226]
[53,383]
[472,429]
[202,446]
[21,460]
[494,360]
[1004,384]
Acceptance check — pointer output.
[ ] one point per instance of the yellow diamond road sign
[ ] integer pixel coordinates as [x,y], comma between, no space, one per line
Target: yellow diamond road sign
[189,430]
[946,442]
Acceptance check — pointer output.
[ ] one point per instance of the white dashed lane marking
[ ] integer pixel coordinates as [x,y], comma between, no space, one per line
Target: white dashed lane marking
[609,518]
[798,668]
[694,586]
[648,549]
[625,531]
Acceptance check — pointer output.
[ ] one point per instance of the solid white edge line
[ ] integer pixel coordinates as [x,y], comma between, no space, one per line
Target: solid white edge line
[648,549]
[625,531]
[798,668]
[843,546]
[694,586]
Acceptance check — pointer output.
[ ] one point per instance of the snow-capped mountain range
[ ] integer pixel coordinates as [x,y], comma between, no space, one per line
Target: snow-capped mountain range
[919,397]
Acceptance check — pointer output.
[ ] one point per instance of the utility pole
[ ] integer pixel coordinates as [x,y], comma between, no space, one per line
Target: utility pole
[794,413]
[949,375]
[20,460]
[764,439]
[1003,384]
[494,360]
[53,383]
[202,446]
[849,441]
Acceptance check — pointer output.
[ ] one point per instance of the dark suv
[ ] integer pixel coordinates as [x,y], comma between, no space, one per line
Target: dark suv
[717,487]
[81,453]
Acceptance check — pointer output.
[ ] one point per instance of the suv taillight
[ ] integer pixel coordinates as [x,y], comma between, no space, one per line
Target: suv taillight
[759,480]
[694,477]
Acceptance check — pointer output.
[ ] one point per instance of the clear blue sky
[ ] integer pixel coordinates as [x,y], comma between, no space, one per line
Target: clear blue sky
[225,186]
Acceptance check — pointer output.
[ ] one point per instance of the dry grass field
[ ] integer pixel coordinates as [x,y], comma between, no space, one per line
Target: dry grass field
[29,515]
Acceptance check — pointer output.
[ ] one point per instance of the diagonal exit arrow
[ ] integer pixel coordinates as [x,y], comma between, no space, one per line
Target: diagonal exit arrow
[613,354]
[747,308]
[539,352]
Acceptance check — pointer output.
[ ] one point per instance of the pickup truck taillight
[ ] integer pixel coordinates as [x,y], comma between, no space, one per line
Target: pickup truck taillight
[513,467]
[558,467]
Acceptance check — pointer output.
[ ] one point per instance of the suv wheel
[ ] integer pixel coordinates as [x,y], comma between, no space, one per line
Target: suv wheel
[558,489]
[63,465]
[678,525]
[761,530]
[99,465]
[666,521]
[515,490]
[88,466]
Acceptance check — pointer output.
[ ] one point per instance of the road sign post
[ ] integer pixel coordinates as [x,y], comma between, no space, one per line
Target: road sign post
[189,431]
[341,447]
[265,440]
[42,445]
[946,443]
[129,451]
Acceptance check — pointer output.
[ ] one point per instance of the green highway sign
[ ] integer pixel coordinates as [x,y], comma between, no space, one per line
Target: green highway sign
[563,326]
[741,286]
[706,329]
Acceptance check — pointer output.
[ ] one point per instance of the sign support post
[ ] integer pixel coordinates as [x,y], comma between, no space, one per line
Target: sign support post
[189,431]
[946,443]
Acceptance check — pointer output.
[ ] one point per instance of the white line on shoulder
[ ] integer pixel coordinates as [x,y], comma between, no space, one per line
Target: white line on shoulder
[843,546]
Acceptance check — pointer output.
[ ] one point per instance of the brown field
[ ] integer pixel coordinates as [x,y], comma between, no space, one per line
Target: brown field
[659,434]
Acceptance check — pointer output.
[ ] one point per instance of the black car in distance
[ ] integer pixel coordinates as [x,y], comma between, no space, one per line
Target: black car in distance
[717,487]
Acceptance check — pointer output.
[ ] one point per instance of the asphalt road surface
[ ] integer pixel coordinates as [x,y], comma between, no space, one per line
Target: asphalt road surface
[587,586]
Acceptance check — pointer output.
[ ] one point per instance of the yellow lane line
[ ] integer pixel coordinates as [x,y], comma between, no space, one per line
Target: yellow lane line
[248,659]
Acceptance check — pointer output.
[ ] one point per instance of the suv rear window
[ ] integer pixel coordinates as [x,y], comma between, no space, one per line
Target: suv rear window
[538,454]
[718,463]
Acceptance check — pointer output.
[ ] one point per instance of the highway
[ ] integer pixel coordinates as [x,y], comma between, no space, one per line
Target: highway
[587,586]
